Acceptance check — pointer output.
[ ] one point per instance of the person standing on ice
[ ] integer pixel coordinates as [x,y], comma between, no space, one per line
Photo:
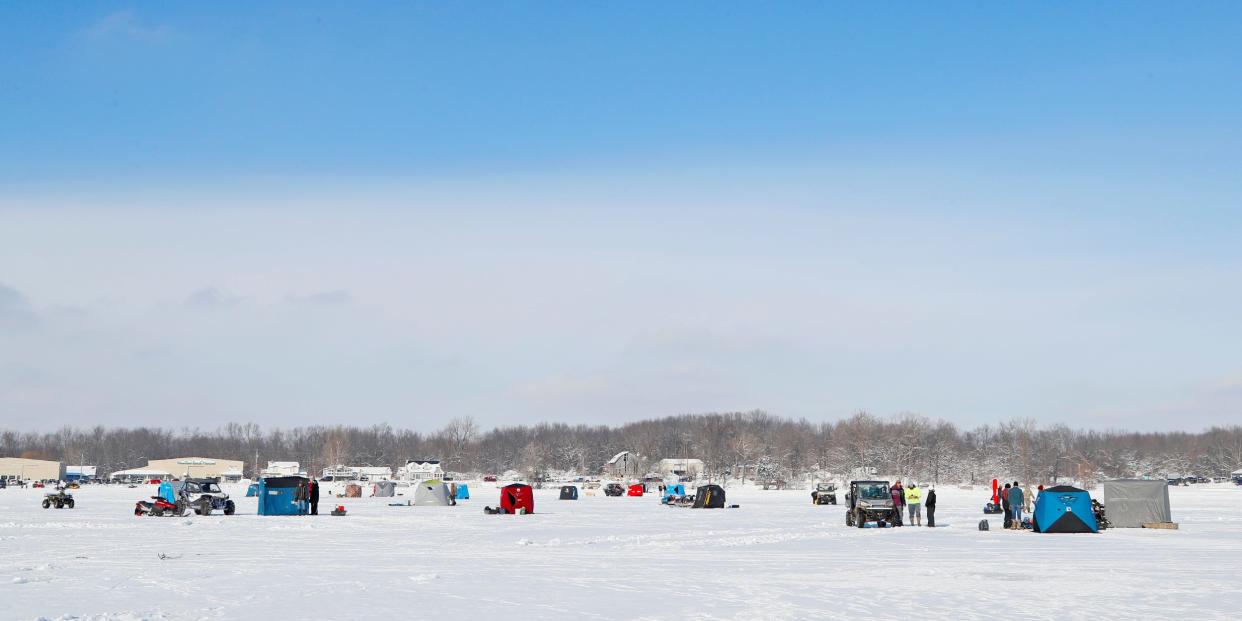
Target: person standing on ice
[1015,503]
[914,504]
[312,494]
[1004,494]
[1028,499]
[931,507]
[899,499]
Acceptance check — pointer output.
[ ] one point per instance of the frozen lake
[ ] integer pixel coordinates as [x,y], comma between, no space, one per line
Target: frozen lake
[776,557]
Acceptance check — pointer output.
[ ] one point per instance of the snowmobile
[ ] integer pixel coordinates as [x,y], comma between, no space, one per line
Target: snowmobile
[1101,516]
[205,496]
[614,489]
[59,499]
[159,506]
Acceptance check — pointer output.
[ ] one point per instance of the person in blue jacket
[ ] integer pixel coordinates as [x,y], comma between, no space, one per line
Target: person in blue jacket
[1015,505]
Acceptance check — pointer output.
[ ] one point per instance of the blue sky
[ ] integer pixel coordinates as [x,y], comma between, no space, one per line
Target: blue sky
[312,212]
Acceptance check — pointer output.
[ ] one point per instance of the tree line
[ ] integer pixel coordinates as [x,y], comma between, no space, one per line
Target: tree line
[746,445]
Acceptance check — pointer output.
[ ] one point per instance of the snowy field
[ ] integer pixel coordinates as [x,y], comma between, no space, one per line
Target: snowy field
[776,557]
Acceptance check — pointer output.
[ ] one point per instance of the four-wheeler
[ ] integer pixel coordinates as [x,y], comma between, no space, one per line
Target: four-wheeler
[204,496]
[824,494]
[614,489]
[870,501]
[59,499]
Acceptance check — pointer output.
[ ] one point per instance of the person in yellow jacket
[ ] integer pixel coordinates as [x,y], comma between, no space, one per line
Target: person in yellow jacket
[914,498]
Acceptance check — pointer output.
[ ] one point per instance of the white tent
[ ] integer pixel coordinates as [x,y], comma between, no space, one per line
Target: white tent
[433,493]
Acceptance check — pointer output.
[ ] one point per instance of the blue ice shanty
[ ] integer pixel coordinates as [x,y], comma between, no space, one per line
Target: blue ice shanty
[283,496]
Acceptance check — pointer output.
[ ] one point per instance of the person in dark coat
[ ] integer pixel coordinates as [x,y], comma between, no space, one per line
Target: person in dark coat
[899,500]
[1005,504]
[930,505]
[312,494]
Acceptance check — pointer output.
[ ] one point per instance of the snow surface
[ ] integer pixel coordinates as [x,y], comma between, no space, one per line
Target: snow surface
[776,557]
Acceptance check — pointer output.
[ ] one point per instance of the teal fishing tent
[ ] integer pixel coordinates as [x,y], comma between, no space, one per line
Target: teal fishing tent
[1064,509]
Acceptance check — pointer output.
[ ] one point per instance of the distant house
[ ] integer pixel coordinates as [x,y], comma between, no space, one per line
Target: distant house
[622,464]
[357,473]
[680,467]
[282,469]
[420,470]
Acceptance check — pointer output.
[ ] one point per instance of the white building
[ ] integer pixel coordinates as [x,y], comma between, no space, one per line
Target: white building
[420,470]
[357,473]
[282,469]
[80,473]
[140,475]
[680,467]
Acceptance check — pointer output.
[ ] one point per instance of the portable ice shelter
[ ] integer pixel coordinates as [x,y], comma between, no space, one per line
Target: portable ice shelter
[676,490]
[1064,509]
[463,491]
[283,496]
[384,489]
[252,490]
[569,492]
[1131,503]
[709,497]
[167,493]
[635,490]
[517,496]
[353,490]
[433,493]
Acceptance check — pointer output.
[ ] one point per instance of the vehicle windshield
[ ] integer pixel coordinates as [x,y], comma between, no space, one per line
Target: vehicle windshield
[203,488]
[876,491]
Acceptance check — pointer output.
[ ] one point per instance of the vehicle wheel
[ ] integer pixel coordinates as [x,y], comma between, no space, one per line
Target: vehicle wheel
[47,504]
[60,504]
[204,507]
[229,507]
[860,520]
[181,509]
[69,503]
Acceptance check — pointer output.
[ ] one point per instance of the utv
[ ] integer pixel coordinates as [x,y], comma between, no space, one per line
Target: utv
[205,495]
[59,499]
[870,501]
[824,494]
[614,489]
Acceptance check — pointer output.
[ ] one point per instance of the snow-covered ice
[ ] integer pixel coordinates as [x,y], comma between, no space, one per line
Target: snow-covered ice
[776,557]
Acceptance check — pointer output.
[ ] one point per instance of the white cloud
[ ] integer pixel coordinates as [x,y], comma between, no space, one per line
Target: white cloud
[127,25]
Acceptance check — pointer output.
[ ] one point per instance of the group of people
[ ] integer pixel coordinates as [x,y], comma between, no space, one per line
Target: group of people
[1017,501]
[911,500]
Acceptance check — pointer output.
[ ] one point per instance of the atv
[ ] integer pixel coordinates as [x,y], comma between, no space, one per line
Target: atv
[614,489]
[205,496]
[59,499]
[824,494]
[870,501]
